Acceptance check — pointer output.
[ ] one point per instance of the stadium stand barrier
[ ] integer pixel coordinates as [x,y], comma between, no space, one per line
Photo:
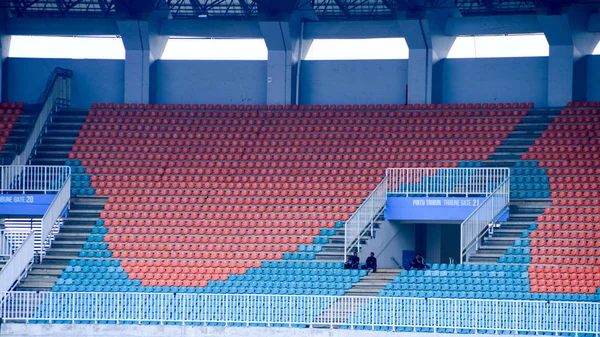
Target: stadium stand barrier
[479,222]
[362,220]
[51,220]
[380,313]
[445,181]
[17,266]
[37,179]
[33,178]
[5,247]
[56,95]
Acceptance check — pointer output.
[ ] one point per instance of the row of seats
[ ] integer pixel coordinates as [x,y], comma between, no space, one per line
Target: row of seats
[307,207]
[574,163]
[188,121]
[173,203]
[566,227]
[553,251]
[313,165]
[454,106]
[146,152]
[226,216]
[567,142]
[135,145]
[171,226]
[282,130]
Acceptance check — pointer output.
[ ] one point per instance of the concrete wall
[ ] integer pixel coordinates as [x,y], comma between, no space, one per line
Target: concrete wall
[522,79]
[442,242]
[232,82]
[353,82]
[593,74]
[93,80]
[390,240]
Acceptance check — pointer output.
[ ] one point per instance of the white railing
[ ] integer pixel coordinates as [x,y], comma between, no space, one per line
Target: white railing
[363,218]
[51,220]
[16,267]
[402,314]
[478,223]
[33,178]
[59,95]
[444,181]
[5,246]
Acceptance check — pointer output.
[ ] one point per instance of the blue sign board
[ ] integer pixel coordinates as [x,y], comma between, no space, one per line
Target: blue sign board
[430,209]
[25,204]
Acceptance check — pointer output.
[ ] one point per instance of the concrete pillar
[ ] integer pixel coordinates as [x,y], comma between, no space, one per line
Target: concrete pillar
[584,42]
[560,62]
[282,40]
[142,47]
[427,47]
[5,47]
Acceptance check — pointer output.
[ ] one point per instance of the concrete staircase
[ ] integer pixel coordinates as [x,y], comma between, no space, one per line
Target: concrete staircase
[373,283]
[523,212]
[77,226]
[369,286]
[524,135]
[334,250]
[59,137]
[53,149]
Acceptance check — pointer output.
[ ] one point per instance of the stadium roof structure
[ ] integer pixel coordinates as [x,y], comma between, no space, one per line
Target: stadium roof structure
[324,10]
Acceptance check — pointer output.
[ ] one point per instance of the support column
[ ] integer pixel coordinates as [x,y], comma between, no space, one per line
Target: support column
[142,47]
[5,46]
[282,40]
[584,42]
[560,62]
[427,47]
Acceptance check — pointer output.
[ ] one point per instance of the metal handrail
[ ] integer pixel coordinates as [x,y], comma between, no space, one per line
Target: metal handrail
[33,178]
[477,224]
[354,312]
[5,246]
[58,96]
[17,266]
[51,219]
[444,181]
[364,216]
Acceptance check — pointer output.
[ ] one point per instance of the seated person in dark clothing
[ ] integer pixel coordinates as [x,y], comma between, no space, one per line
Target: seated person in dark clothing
[418,263]
[371,263]
[352,262]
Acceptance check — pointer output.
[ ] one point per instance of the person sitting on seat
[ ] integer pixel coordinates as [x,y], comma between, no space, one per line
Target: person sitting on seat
[352,262]
[371,263]
[418,263]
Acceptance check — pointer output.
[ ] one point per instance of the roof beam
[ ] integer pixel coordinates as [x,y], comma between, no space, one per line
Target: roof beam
[343,8]
[199,9]
[391,6]
[64,26]
[245,7]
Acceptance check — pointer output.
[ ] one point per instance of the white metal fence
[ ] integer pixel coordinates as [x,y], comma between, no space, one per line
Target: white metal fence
[444,182]
[33,178]
[60,95]
[5,246]
[362,219]
[52,218]
[479,222]
[404,314]
[16,266]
